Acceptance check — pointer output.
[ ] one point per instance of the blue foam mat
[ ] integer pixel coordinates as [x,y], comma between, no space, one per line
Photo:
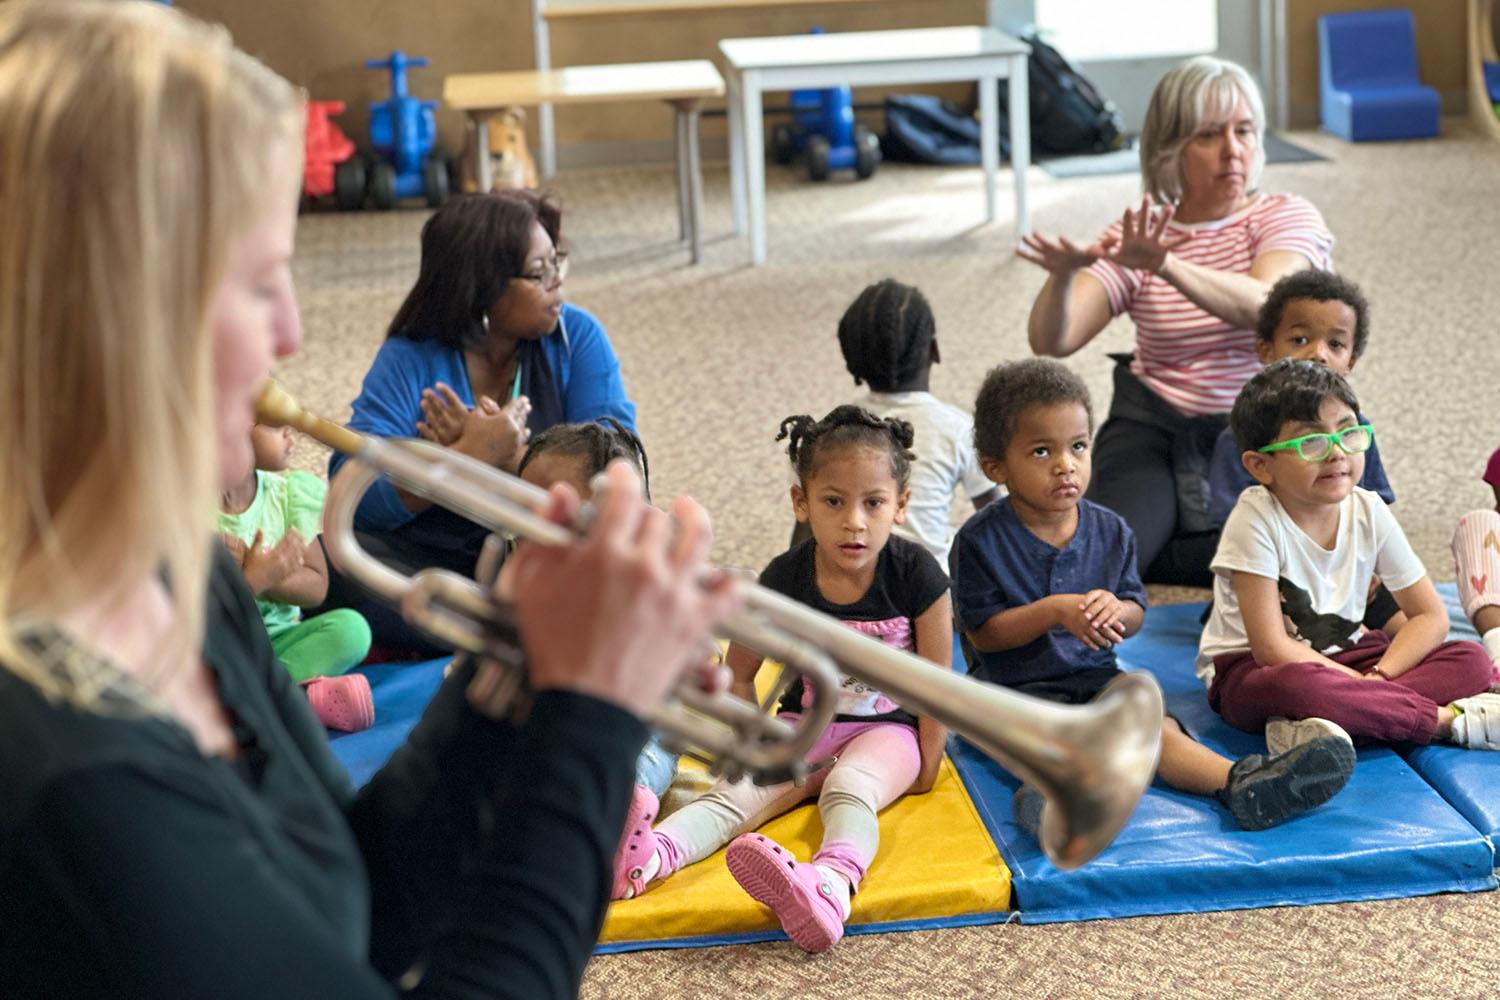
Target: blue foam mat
[1184,853]
[402,691]
[1469,780]
[850,930]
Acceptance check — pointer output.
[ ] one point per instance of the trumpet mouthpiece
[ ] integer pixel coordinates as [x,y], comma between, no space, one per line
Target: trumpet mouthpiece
[275,407]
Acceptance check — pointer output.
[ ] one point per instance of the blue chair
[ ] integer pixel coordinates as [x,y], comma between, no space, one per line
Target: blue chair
[1367,77]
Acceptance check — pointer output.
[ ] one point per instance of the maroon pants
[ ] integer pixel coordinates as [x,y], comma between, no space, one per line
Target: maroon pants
[1404,710]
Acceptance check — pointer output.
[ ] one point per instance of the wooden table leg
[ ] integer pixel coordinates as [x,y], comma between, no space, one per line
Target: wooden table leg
[689,174]
[695,182]
[483,178]
[679,139]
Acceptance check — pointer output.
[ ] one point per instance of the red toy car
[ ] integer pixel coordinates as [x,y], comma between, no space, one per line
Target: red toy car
[332,164]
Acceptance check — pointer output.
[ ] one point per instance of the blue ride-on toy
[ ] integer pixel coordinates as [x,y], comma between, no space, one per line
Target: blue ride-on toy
[404,134]
[824,133]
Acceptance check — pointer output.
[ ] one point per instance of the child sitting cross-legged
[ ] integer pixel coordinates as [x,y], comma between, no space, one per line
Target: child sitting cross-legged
[1284,647]
[575,454]
[1045,586]
[270,524]
[852,469]
[1476,560]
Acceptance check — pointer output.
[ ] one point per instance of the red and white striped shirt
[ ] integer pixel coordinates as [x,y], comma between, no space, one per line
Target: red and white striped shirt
[1195,361]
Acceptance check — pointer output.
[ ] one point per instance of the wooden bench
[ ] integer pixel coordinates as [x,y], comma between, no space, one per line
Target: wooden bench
[684,85]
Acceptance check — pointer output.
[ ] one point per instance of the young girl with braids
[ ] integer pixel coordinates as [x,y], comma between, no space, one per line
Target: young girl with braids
[575,454]
[889,341]
[852,472]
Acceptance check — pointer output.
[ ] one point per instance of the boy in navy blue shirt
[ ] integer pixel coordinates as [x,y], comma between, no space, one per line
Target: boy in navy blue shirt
[1045,586]
[1317,316]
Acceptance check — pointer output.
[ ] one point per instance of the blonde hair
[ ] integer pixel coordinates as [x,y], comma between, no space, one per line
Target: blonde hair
[135,144]
[1191,94]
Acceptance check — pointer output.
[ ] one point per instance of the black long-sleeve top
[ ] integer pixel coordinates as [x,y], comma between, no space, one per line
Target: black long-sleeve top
[475,864]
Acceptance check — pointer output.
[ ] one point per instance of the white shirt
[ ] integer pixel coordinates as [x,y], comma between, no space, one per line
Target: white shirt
[1323,591]
[946,460]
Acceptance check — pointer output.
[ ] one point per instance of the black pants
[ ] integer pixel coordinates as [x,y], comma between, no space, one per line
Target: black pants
[1151,467]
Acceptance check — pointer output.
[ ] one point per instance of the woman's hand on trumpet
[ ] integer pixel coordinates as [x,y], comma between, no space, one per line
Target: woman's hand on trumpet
[620,613]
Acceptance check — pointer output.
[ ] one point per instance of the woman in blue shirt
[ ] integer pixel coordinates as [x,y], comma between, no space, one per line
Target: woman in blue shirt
[483,353]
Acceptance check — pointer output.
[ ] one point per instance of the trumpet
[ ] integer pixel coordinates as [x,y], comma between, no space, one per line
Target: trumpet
[1090,762]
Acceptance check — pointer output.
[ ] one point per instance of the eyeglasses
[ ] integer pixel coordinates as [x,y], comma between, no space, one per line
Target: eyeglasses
[1317,447]
[551,273]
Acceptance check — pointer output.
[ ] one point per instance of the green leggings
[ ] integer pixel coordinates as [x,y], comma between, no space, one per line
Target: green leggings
[323,646]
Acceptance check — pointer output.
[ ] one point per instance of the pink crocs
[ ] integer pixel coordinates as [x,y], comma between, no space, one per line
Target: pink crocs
[343,703]
[636,845]
[797,893]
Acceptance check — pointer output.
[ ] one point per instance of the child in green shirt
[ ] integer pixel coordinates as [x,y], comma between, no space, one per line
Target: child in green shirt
[270,524]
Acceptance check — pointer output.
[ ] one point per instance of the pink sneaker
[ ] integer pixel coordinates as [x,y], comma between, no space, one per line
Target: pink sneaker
[637,844]
[797,893]
[344,703]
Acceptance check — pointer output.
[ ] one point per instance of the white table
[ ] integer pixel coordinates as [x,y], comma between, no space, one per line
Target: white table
[857,58]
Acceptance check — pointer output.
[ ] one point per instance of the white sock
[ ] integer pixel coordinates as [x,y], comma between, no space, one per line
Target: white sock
[1491,640]
[648,872]
[840,884]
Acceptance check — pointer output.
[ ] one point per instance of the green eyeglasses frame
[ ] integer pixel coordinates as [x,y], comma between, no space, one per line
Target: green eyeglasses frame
[1318,452]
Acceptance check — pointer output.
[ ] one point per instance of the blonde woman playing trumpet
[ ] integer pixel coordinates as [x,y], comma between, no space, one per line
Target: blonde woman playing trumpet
[172,823]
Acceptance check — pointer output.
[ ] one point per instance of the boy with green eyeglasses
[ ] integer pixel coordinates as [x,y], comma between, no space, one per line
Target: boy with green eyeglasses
[1284,644]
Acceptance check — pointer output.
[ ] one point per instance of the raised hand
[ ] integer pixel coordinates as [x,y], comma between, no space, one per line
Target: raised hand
[443,415]
[495,434]
[236,547]
[1059,255]
[268,565]
[1143,244]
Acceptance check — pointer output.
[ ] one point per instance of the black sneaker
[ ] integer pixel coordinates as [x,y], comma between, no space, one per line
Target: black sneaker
[1026,806]
[1266,791]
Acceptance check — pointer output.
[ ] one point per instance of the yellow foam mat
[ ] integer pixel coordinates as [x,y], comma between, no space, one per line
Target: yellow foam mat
[935,861]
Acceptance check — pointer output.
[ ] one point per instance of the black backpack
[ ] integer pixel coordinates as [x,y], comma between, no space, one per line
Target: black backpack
[1068,115]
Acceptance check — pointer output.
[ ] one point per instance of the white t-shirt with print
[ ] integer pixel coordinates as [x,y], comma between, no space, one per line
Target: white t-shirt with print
[944,445]
[1323,591]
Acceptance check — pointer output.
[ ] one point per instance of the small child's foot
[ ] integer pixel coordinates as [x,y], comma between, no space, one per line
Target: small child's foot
[1266,791]
[637,859]
[1477,722]
[802,896]
[344,703]
[1026,806]
[1284,734]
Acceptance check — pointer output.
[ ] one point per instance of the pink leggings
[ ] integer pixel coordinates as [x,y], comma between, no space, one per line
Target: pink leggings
[1476,558]
[876,763]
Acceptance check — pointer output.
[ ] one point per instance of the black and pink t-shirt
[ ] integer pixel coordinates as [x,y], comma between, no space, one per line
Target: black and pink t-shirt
[907,582]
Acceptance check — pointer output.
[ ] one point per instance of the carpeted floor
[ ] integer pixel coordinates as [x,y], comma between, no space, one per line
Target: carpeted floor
[716,355]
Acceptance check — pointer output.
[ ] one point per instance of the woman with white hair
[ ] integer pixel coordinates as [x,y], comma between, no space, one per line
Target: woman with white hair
[1191,265]
[172,822]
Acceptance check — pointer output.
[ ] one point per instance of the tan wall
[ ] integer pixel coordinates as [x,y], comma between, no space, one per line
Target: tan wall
[322,45]
[1442,48]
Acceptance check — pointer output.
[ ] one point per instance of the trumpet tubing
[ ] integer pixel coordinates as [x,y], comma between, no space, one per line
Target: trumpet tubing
[1090,762]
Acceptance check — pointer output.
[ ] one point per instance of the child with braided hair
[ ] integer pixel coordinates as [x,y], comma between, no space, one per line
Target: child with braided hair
[889,340]
[852,472]
[575,454]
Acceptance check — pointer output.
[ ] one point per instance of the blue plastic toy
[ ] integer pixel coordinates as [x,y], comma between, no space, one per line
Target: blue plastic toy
[1367,76]
[404,134]
[824,133]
